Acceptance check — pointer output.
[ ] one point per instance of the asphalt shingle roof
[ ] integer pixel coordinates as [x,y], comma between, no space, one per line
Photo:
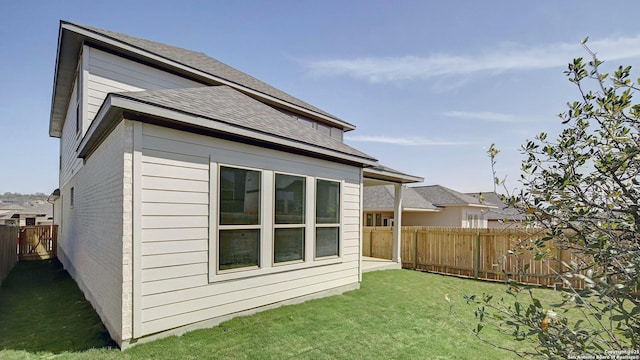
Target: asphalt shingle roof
[443,196]
[502,212]
[202,62]
[222,103]
[382,197]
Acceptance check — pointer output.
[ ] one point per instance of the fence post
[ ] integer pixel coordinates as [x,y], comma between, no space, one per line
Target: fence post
[476,257]
[415,249]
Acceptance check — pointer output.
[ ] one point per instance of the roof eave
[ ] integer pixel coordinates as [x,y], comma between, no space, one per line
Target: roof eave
[387,176]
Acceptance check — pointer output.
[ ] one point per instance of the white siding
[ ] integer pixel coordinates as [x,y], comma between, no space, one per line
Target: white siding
[450,217]
[175,289]
[70,164]
[104,73]
[111,73]
[95,240]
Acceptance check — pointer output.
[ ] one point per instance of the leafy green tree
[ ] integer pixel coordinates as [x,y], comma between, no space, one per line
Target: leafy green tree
[582,189]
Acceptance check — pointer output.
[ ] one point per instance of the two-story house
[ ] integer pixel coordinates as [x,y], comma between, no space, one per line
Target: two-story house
[191,192]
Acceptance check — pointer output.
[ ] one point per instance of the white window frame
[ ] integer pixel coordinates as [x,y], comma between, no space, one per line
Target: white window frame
[267,227]
[258,226]
[303,225]
[339,224]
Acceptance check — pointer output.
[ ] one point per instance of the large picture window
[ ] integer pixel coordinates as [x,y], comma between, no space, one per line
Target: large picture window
[239,220]
[289,232]
[327,218]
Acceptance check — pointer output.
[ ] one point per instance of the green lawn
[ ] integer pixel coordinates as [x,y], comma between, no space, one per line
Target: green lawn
[396,314]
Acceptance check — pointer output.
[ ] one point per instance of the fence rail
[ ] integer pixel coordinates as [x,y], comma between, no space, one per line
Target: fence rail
[490,254]
[38,242]
[8,255]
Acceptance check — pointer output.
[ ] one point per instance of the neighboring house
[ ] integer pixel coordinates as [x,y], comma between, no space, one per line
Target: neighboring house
[379,205]
[503,216]
[27,214]
[191,192]
[457,209]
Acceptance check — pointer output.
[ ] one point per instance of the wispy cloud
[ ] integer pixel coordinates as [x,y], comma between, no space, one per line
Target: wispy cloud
[485,116]
[503,58]
[405,141]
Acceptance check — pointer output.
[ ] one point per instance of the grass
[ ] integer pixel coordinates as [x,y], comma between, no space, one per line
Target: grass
[396,314]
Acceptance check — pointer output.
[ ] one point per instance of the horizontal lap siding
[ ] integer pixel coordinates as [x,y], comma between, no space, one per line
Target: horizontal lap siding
[175,220]
[110,73]
[175,285]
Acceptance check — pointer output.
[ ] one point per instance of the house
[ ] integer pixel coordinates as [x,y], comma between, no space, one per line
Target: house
[503,216]
[191,192]
[457,209]
[432,205]
[27,214]
[379,205]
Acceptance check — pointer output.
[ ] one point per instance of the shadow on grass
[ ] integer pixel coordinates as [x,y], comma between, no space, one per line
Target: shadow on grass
[43,310]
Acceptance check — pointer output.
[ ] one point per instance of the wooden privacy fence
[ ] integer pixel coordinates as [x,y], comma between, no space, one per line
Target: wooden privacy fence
[8,255]
[377,242]
[38,242]
[490,254]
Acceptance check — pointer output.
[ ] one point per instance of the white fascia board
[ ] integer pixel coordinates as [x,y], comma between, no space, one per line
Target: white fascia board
[115,102]
[391,177]
[145,54]
[421,210]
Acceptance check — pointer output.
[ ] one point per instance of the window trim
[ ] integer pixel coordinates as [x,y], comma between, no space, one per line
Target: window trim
[303,225]
[339,224]
[267,264]
[221,227]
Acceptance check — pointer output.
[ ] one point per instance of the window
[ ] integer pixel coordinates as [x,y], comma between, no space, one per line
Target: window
[369,220]
[327,218]
[239,218]
[265,222]
[71,197]
[289,236]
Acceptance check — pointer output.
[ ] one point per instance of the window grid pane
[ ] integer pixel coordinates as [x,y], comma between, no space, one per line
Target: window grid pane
[290,199]
[327,202]
[288,244]
[327,241]
[239,196]
[238,248]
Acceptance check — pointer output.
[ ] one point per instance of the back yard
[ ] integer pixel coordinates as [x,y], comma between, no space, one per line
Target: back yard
[395,314]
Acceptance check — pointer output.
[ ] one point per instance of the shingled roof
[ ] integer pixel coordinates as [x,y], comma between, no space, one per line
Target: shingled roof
[224,104]
[443,196]
[503,211]
[197,65]
[382,197]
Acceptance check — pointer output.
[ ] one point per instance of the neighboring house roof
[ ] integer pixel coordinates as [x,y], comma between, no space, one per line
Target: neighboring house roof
[227,111]
[39,210]
[10,206]
[382,197]
[443,196]
[196,64]
[503,211]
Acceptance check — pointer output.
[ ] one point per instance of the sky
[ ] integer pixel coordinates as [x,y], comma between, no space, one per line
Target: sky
[430,85]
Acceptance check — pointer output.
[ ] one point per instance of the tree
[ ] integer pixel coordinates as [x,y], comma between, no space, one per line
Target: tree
[583,190]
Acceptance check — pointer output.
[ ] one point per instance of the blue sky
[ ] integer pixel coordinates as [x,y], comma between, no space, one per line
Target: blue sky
[429,84]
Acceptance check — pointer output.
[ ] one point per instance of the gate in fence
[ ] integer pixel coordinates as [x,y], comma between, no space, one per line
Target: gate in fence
[38,242]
